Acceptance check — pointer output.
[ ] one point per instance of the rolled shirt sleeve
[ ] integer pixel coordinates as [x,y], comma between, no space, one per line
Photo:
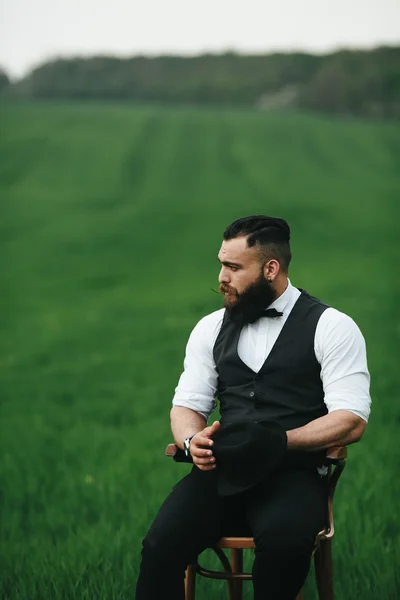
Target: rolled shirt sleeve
[340,349]
[198,383]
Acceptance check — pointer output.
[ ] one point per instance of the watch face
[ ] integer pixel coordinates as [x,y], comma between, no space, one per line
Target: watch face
[186,445]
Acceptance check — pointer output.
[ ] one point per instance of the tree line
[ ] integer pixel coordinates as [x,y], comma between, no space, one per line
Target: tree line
[351,82]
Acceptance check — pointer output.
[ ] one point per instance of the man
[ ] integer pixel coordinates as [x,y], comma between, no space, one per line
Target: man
[302,365]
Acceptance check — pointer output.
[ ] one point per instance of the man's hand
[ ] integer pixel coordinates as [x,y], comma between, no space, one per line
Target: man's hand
[200,448]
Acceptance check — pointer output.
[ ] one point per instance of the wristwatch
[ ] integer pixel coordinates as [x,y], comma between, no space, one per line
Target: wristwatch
[186,445]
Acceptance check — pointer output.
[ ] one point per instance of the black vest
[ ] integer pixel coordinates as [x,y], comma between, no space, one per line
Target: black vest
[288,387]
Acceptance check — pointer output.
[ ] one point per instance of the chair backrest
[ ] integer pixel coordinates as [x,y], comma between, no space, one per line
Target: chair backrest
[337,458]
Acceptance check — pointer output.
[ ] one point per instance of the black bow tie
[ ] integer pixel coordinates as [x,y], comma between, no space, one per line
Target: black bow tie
[272,312]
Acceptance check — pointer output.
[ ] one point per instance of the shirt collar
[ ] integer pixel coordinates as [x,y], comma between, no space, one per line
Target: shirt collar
[281,303]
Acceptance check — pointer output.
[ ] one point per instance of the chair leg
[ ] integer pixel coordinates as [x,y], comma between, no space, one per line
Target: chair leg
[190,583]
[323,570]
[237,567]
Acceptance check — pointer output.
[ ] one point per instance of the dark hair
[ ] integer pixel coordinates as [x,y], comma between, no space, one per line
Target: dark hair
[272,235]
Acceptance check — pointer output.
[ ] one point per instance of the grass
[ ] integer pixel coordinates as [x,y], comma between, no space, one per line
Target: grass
[111,220]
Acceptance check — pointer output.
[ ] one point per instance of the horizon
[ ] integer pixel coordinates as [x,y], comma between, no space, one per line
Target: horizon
[222,52]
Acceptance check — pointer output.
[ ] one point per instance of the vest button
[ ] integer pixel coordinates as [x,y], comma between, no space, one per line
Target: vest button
[251,394]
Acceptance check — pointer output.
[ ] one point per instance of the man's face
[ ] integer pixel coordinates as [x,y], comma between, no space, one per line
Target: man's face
[240,268]
[246,291]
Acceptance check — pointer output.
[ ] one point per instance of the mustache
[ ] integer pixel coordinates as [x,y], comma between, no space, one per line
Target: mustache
[223,290]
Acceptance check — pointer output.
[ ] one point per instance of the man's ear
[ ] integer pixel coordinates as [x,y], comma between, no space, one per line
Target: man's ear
[271,269]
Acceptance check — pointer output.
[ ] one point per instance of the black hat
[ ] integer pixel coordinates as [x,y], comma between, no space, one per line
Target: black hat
[246,453]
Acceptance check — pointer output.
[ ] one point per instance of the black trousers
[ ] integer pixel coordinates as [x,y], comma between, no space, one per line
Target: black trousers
[284,513]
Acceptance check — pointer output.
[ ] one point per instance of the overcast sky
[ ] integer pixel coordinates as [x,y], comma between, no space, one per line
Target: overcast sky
[32,31]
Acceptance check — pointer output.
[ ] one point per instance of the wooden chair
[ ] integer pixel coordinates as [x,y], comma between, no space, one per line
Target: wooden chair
[233,569]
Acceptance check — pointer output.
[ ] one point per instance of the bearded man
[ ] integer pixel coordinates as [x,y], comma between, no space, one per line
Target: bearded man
[273,353]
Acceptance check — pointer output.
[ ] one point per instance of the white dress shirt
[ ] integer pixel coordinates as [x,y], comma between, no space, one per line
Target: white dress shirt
[338,344]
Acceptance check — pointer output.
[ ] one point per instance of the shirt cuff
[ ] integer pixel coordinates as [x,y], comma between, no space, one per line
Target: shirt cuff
[193,406]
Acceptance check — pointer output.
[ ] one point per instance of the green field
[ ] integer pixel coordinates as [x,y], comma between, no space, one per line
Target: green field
[111,220]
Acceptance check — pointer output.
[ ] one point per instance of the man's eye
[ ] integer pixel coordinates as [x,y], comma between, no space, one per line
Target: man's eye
[234,268]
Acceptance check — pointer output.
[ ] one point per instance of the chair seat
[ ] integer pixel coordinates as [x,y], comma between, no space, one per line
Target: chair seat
[245,543]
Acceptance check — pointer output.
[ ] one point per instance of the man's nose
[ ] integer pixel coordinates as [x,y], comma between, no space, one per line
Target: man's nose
[223,276]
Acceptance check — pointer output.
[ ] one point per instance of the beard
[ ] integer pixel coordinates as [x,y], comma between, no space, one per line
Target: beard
[249,305]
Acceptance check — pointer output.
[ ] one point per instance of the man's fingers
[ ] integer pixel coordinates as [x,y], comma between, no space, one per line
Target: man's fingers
[200,440]
[205,467]
[200,447]
[209,431]
[200,452]
[209,460]
[215,426]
